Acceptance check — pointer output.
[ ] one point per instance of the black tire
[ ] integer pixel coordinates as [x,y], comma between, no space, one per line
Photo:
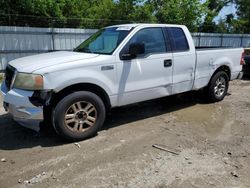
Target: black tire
[62,108]
[211,91]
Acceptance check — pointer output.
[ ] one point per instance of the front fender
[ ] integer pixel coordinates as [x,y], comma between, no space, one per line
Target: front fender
[59,80]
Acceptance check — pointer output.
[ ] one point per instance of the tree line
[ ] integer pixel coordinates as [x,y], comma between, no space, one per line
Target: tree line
[198,15]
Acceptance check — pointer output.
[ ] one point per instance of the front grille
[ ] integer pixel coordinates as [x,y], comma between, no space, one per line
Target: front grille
[9,74]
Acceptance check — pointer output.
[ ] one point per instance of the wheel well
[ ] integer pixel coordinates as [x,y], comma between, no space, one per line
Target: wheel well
[224,68]
[56,97]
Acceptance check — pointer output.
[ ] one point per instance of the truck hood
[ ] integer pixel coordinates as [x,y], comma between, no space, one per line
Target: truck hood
[36,62]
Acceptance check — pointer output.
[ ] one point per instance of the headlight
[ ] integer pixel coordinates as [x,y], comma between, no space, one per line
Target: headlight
[28,81]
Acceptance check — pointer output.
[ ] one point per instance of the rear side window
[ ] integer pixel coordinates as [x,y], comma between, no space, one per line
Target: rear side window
[178,39]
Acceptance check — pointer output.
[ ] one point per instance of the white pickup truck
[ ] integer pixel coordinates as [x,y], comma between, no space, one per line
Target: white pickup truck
[116,66]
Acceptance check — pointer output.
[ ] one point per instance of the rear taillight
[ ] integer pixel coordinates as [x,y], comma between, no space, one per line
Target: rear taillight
[242,60]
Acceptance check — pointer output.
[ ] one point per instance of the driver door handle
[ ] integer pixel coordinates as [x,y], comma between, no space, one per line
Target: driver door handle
[168,63]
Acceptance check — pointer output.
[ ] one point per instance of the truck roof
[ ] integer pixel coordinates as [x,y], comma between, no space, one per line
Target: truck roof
[146,25]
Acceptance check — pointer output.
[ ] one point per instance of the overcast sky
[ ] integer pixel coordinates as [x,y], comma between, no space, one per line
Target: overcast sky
[227,10]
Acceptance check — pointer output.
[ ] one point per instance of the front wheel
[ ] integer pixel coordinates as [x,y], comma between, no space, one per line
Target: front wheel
[79,115]
[218,86]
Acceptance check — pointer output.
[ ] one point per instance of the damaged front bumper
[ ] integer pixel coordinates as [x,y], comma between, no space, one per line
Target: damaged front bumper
[18,104]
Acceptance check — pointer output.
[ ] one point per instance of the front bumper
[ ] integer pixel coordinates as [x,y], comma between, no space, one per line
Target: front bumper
[18,105]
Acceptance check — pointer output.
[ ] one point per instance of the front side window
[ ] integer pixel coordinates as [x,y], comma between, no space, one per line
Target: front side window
[105,41]
[152,38]
[179,40]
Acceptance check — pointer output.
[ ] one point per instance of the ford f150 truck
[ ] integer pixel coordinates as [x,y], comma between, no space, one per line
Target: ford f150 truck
[116,66]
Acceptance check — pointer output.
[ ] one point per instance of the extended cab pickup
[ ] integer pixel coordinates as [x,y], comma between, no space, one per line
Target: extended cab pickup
[116,66]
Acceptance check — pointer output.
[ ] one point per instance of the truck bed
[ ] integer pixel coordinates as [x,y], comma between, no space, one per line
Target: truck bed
[210,58]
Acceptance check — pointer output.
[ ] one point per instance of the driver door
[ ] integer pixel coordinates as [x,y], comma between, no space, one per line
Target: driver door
[149,75]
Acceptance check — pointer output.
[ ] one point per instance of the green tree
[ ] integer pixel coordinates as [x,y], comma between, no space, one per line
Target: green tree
[97,14]
[226,25]
[29,12]
[188,12]
[134,11]
[243,12]
[213,8]
[143,13]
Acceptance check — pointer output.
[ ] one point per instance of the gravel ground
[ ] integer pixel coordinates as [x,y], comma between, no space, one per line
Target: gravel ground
[212,143]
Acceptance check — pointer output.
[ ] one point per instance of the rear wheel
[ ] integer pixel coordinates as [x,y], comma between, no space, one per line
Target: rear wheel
[218,86]
[79,115]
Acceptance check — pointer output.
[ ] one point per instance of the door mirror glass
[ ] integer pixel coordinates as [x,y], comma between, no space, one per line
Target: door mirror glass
[134,50]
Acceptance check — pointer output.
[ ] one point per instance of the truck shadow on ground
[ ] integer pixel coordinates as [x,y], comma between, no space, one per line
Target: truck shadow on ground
[15,137]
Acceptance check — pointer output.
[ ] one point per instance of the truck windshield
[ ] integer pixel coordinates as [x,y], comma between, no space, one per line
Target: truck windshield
[105,41]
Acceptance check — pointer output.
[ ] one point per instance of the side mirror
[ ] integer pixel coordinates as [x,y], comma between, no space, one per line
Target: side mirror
[134,50]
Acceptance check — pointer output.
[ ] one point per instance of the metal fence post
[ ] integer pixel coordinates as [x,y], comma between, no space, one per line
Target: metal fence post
[221,44]
[199,40]
[53,38]
[241,41]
